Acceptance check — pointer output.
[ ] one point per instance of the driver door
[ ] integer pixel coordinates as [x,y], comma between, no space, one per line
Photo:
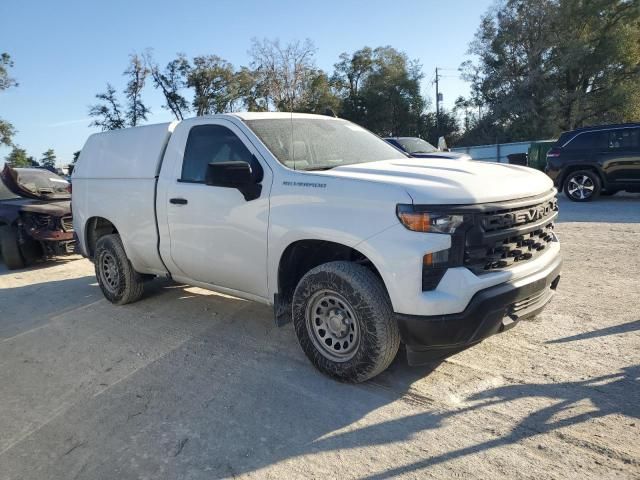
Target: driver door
[217,237]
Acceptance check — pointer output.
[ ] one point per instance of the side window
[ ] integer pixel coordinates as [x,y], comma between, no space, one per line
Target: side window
[602,141]
[624,139]
[582,141]
[209,144]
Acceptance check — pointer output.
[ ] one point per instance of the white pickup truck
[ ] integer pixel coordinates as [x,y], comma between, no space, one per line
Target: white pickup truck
[359,245]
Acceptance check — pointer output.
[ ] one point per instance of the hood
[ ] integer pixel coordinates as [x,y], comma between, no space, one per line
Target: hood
[441,181]
[10,177]
[447,155]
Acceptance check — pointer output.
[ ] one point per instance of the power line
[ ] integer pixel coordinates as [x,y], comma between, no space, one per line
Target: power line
[436,80]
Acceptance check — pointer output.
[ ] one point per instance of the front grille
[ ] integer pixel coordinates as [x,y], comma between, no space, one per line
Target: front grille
[67,223]
[503,236]
[40,221]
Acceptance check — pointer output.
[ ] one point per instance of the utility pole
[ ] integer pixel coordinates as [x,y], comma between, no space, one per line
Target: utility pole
[437,101]
[437,96]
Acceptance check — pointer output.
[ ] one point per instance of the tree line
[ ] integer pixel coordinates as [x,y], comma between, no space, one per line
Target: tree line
[379,88]
[545,66]
[18,157]
[536,68]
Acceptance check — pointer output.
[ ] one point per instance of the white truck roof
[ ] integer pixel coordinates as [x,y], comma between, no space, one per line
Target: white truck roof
[276,115]
[137,152]
[128,153]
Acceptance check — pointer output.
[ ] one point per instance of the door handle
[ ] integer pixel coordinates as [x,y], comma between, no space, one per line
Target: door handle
[178,201]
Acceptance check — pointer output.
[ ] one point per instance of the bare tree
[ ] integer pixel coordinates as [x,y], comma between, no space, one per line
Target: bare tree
[282,71]
[137,72]
[171,81]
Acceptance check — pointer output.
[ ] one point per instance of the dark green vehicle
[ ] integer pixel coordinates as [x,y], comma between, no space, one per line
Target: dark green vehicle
[538,154]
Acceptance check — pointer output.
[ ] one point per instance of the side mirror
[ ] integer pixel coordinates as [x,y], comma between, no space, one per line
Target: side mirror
[238,175]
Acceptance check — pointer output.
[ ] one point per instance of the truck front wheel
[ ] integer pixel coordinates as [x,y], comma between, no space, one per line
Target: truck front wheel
[119,282]
[344,321]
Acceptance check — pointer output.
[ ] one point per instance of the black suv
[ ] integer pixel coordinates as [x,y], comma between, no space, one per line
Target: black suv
[596,160]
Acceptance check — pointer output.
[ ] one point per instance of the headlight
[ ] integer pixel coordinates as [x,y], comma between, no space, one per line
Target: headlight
[425,221]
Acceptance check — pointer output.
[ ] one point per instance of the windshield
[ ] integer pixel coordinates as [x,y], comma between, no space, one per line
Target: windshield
[416,145]
[42,182]
[320,144]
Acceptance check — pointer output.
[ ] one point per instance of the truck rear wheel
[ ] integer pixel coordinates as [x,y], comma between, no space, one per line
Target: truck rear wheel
[119,282]
[344,321]
[9,247]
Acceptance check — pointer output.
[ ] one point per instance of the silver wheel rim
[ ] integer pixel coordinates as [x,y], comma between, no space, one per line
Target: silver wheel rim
[332,326]
[109,272]
[580,187]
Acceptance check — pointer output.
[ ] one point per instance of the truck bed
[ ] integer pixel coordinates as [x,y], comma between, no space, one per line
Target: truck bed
[115,178]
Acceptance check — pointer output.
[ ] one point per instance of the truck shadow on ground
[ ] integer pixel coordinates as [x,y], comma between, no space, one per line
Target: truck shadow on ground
[239,396]
[614,394]
[36,304]
[602,332]
[30,306]
[36,265]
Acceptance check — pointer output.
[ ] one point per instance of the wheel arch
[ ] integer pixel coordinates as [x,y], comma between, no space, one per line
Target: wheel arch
[301,256]
[579,166]
[95,228]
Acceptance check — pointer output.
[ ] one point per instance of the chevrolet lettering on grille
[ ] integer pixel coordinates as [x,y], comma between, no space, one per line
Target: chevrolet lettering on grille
[519,217]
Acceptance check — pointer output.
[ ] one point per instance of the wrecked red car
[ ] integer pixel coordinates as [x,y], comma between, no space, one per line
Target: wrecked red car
[35,216]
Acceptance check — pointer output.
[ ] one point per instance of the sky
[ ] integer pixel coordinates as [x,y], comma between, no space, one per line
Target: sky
[65,51]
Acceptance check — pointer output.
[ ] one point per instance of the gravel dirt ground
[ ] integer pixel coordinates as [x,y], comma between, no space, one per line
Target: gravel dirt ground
[191,384]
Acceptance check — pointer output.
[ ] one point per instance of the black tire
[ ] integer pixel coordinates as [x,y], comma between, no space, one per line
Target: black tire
[119,282]
[582,186]
[10,249]
[365,307]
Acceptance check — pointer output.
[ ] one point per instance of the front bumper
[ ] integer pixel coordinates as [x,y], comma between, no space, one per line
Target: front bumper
[490,311]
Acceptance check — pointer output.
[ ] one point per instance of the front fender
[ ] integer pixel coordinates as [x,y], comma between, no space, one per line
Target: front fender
[340,210]
[397,253]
